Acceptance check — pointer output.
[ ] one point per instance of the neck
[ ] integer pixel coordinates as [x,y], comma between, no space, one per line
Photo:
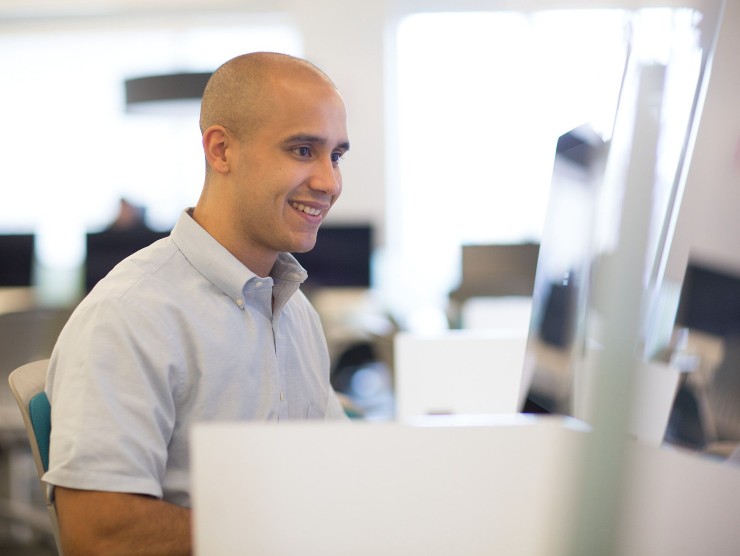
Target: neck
[259,263]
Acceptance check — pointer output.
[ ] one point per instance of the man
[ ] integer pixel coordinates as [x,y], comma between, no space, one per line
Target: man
[205,324]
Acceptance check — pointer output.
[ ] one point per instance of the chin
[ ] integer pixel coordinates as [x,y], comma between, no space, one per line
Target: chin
[304,248]
[304,245]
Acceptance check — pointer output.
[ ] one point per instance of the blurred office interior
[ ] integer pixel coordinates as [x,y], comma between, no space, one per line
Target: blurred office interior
[467,120]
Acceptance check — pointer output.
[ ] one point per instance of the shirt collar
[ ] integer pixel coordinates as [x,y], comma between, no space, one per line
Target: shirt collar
[221,268]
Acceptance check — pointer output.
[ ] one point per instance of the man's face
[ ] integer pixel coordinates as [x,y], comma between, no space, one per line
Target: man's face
[287,175]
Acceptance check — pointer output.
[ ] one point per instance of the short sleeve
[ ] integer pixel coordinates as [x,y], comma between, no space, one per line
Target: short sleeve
[112,402]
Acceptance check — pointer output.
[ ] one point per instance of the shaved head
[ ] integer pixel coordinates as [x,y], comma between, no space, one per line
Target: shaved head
[239,94]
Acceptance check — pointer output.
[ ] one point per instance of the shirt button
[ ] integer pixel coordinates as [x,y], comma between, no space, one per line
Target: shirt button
[259,284]
[282,396]
[240,302]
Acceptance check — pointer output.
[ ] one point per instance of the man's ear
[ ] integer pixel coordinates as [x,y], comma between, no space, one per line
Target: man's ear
[216,145]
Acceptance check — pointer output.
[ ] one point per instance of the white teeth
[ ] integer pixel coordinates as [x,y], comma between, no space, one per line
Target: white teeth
[304,208]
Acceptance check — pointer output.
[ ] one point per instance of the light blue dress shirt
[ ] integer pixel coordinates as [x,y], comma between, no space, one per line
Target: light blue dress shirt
[178,333]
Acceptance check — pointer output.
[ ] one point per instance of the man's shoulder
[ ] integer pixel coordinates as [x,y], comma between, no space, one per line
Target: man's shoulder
[139,296]
[154,267]
[139,285]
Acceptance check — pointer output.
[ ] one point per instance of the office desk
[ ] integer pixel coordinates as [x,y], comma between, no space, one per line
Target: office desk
[17,299]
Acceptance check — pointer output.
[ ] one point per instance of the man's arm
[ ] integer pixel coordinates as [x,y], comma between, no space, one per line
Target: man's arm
[111,523]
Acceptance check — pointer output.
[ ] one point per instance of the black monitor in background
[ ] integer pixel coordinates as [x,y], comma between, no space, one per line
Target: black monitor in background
[107,248]
[341,257]
[710,299]
[16,260]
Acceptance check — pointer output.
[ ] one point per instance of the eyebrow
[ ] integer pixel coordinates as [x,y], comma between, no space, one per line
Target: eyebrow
[306,138]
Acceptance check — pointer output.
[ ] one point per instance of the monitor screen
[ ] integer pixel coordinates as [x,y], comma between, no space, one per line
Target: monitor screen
[710,299]
[16,260]
[341,257]
[563,271]
[108,248]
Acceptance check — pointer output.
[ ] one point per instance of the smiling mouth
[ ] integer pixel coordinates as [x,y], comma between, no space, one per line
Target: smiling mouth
[304,208]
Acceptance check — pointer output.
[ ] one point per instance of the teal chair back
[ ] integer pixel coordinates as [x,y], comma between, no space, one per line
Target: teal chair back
[27,384]
[39,410]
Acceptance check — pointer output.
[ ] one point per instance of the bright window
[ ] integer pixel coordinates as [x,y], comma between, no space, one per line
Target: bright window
[482,99]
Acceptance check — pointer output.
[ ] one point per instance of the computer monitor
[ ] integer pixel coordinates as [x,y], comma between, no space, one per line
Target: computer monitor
[612,211]
[341,257]
[564,267]
[710,299]
[108,248]
[16,260]
[497,270]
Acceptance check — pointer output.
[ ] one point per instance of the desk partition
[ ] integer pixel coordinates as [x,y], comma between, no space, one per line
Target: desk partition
[443,486]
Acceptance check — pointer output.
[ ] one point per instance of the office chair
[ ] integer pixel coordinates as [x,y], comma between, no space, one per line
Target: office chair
[27,384]
[706,413]
[723,399]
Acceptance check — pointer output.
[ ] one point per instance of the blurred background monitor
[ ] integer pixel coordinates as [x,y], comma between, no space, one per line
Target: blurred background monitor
[710,299]
[107,248]
[341,257]
[16,260]
[497,270]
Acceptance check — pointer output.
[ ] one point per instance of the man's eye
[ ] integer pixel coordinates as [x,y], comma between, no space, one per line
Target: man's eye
[303,151]
[336,156]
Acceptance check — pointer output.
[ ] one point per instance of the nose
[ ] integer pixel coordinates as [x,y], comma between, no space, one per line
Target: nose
[326,177]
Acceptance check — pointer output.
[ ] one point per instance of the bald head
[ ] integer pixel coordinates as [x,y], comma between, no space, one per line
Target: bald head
[238,95]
